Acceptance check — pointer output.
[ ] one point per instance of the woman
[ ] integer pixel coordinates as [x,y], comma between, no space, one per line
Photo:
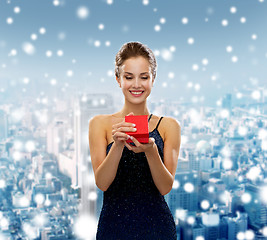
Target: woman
[135,177]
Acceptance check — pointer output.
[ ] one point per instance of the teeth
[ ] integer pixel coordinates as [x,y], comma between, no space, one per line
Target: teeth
[136,92]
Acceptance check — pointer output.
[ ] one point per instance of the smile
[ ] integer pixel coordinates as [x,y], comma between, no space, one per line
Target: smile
[136,93]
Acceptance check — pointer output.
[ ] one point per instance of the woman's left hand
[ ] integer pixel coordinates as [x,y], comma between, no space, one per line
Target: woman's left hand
[139,147]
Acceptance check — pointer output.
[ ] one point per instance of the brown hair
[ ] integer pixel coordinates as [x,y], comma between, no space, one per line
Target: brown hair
[135,49]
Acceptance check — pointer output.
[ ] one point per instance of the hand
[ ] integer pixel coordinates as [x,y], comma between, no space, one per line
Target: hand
[139,147]
[119,129]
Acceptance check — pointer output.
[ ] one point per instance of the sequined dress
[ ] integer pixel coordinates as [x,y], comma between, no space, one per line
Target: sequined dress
[133,208]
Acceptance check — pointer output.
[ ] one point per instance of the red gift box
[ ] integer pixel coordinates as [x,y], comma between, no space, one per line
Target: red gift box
[141,125]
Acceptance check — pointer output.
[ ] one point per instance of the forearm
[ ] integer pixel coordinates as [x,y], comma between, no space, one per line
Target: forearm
[106,172]
[160,174]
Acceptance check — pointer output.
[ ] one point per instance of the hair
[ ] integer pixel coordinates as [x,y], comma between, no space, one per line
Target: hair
[135,49]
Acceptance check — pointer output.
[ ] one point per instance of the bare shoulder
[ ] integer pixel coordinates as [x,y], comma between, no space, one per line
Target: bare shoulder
[100,119]
[170,125]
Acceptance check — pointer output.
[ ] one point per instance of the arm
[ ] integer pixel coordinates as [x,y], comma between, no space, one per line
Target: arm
[163,174]
[104,166]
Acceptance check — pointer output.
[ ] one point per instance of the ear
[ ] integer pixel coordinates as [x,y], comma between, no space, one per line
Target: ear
[119,81]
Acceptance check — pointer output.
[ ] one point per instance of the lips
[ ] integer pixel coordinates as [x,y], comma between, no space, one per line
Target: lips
[136,93]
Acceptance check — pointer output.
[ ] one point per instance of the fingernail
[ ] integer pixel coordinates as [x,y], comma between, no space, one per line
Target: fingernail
[133,125]
[134,129]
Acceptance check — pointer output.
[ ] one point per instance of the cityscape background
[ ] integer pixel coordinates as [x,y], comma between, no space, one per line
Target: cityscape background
[57,71]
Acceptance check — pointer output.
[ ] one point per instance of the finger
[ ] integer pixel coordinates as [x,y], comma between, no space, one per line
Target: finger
[128,146]
[121,135]
[131,113]
[124,129]
[136,142]
[151,140]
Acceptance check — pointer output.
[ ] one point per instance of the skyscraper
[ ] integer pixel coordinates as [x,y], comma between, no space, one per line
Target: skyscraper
[85,107]
[3,125]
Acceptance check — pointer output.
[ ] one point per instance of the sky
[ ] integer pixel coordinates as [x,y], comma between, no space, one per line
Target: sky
[204,48]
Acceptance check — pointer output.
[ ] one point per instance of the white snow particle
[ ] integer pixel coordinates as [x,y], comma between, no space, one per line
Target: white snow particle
[171,75]
[69,73]
[28,48]
[176,184]
[53,82]
[205,204]
[246,197]
[229,48]
[56,2]
[60,53]
[172,48]
[26,80]
[9,20]
[264,231]
[184,20]
[256,95]
[109,2]
[34,37]
[190,41]
[145,2]
[42,30]
[195,67]
[157,28]
[61,36]
[254,36]
[164,84]
[233,9]
[49,53]
[82,12]
[101,26]
[166,55]
[243,19]
[97,43]
[189,84]
[157,53]
[13,52]
[162,20]
[234,59]
[107,43]
[239,95]
[197,87]
[16,9]
[224,22]
[205,61]
[189,187]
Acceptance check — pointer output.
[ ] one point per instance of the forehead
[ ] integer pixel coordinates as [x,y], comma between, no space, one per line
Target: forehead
[135,65]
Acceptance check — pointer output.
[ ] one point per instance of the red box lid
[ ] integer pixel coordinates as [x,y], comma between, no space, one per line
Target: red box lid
[141,122]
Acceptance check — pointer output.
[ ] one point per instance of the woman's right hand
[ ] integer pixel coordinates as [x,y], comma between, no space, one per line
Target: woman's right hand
[119,129]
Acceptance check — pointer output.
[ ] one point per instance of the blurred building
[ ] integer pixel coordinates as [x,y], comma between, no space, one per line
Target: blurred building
[85,107]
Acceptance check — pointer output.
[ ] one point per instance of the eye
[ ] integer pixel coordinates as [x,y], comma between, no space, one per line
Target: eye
[128,78]
[144,77]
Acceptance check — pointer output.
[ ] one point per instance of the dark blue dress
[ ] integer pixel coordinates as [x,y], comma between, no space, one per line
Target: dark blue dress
[133,208]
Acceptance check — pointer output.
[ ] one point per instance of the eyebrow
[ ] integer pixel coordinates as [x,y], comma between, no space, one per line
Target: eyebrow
[140,73]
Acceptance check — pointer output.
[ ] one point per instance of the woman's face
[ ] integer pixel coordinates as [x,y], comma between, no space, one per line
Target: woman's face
[136,79]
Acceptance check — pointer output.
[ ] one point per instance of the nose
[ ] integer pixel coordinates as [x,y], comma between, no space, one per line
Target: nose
[136,83]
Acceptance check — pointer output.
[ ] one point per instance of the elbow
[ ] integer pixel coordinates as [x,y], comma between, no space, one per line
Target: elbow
[166,191]
[102,187]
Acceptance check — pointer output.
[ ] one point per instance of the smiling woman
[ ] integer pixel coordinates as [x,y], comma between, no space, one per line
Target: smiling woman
[134,178]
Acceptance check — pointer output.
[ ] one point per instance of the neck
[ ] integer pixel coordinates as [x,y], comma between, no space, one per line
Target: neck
[137,109]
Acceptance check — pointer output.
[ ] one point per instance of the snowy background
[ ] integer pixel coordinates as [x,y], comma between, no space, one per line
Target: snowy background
[204,48]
